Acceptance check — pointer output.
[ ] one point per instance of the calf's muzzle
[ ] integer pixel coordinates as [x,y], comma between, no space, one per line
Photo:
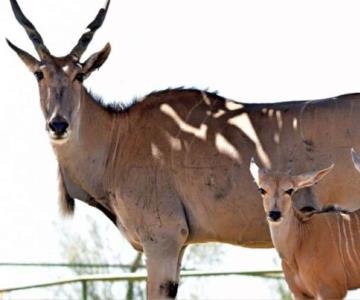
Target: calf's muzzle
[274,215]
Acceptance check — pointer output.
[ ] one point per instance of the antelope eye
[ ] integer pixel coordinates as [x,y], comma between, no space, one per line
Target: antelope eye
[39,75]
[262,191]
[80,77]
[289,192]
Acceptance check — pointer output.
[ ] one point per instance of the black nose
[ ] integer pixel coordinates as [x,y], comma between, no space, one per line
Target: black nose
[274,215]
[58,125]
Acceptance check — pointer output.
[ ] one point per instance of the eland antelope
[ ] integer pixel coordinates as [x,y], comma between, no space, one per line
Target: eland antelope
[172,169]
[319,250]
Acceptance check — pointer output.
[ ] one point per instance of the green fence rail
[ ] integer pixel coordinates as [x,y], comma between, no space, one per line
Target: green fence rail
[67,265]
[84,280]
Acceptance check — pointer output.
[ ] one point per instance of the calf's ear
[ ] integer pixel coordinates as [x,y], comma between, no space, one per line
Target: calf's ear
[310,178]
[356,159]
[255,171]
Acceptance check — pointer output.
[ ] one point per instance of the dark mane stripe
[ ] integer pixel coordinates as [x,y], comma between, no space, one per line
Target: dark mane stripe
[333,209]
[309,211]
[119,107]
[112,107]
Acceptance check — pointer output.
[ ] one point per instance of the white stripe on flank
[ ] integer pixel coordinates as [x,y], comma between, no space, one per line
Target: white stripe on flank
[351,263]
[356,222]
[226,148]
[243,122]
[352,240]
[347,260]
[338,220]
[200,132]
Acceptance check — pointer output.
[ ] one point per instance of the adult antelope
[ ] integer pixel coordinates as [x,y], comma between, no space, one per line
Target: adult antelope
[173,169]
[319,250]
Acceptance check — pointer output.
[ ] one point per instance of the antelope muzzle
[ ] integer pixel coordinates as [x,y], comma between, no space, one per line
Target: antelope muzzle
[58,128]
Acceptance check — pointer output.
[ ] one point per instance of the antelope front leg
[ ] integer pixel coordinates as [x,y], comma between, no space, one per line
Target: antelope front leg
[163,262]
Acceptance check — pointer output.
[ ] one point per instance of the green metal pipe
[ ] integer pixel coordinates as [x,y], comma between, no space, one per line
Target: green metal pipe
[271,274]
[84,290]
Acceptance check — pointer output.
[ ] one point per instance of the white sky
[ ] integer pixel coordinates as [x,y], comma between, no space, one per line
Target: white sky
[247,50]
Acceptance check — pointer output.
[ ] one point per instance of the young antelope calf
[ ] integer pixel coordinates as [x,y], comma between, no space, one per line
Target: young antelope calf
[319,250]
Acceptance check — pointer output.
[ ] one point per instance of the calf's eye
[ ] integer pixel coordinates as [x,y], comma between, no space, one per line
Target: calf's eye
[289,192]
[262,191]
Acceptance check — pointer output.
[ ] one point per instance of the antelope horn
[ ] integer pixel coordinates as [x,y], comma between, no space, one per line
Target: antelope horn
[30,29]
[86,38]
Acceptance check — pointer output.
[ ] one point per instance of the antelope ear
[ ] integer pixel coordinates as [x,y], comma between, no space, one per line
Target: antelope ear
[310,178]
[356,159]
[31,62]
[96,60]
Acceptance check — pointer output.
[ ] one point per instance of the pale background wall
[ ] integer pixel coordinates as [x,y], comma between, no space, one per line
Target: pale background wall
[246,50]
